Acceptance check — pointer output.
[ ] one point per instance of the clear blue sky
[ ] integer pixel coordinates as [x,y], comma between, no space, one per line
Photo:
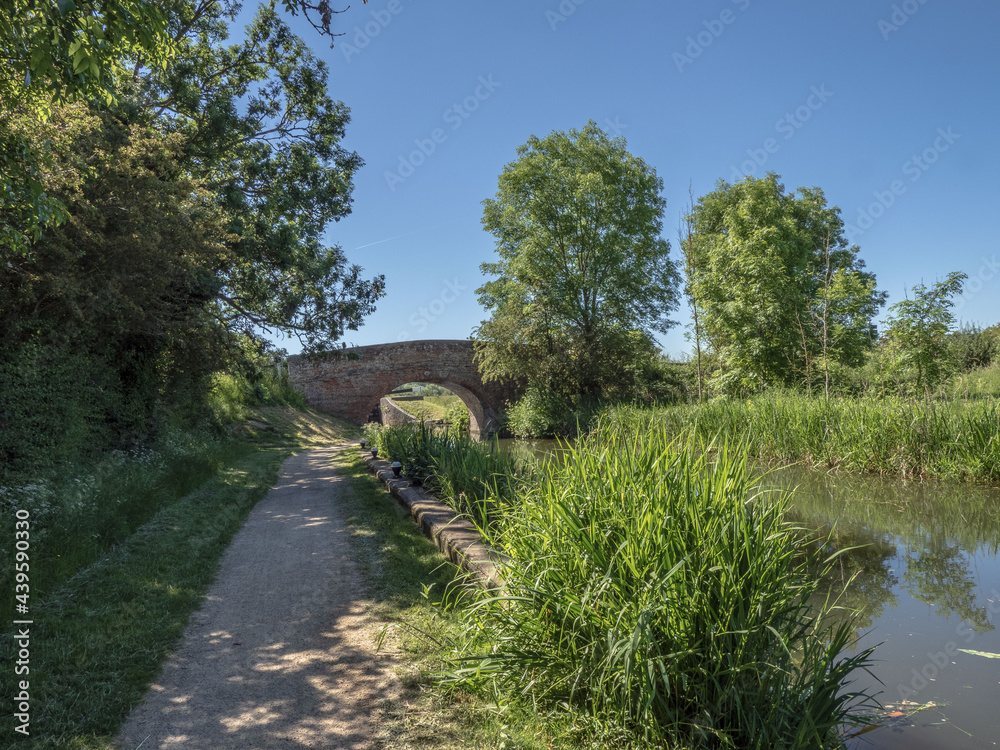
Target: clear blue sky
[861,98]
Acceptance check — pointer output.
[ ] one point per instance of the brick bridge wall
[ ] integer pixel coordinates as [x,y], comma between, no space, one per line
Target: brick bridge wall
[349,383]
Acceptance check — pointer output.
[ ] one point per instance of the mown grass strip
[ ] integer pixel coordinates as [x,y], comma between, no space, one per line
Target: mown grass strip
[98,642]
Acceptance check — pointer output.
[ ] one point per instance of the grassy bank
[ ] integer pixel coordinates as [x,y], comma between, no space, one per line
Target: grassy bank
[888,436]
[120,554]
[423,603]
[652,600]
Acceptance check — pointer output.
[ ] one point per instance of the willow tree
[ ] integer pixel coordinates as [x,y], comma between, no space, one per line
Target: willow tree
[583,280]
[782,295]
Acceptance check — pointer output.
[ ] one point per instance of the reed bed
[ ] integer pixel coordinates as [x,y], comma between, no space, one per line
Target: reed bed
[654,592]
[885,436]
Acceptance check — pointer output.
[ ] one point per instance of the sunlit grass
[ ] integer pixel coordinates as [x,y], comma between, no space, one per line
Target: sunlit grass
[886,436]
[655,592]
[475,478]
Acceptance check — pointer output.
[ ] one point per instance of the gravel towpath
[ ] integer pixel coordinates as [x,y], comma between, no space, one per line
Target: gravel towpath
[281,654]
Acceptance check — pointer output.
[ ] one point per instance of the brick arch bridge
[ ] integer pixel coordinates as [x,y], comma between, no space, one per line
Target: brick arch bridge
[349,383]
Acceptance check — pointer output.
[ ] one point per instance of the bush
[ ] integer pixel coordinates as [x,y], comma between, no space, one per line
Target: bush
[547,413]
[974,347]
[56,408]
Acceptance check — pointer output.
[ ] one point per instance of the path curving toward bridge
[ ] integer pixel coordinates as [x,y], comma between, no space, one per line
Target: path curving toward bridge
[281,655]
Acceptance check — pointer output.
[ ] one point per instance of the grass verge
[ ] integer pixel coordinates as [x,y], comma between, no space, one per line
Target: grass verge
[103,623]
[420,598]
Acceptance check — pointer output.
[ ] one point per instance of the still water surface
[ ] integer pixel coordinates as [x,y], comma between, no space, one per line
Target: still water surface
[927,579]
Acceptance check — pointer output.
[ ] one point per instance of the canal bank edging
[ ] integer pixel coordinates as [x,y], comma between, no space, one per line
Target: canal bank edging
[457,538]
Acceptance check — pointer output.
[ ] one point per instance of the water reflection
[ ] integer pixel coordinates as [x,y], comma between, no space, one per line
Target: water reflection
[932,534]
[922,566]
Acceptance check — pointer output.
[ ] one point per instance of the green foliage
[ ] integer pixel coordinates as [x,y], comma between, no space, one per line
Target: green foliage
[83,50]
[652,589]
[108,312]
[884,435]
[52,53]
[917,331]
[583,277]
[977,384]
[457,416]
[973,347]
[56,408]
[185,211]
[540,412]
[260,127]
[779,292]
[474,478]
[55,52]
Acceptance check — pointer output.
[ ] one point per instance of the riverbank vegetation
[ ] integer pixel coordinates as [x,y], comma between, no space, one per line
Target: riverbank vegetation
[650,592]
[476,479]
[890,436]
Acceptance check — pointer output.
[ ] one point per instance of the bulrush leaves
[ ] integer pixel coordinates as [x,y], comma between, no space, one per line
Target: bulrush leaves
[649,585]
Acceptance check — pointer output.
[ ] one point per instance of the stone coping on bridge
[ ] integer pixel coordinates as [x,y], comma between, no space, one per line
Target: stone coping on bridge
[457,538]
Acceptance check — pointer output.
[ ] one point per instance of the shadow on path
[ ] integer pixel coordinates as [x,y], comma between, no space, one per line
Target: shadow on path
[281,654]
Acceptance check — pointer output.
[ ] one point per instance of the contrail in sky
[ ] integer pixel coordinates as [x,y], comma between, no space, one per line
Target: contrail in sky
[405,234]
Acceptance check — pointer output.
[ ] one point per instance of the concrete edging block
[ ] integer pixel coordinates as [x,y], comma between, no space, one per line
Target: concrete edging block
[457,538]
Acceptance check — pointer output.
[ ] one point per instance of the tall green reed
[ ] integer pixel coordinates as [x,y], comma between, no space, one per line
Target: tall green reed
[648,586]
[886,436]
[475,478]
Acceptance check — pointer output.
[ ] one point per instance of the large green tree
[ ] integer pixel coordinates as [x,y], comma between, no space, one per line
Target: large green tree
[780,292]
[583,278]
[61,51]
[50,53]
[194,202]
[264,135]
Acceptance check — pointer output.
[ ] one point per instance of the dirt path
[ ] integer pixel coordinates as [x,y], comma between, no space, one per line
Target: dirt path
[281,654]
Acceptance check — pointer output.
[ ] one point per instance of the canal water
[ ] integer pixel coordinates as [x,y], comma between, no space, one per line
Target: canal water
[926,575]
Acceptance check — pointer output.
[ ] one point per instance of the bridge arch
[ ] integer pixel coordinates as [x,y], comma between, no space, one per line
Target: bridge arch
[349,383]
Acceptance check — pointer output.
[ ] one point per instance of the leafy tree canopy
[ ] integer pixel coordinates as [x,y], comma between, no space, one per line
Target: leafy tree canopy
[777,287]
[65,50]
[583,276]
[263,134]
